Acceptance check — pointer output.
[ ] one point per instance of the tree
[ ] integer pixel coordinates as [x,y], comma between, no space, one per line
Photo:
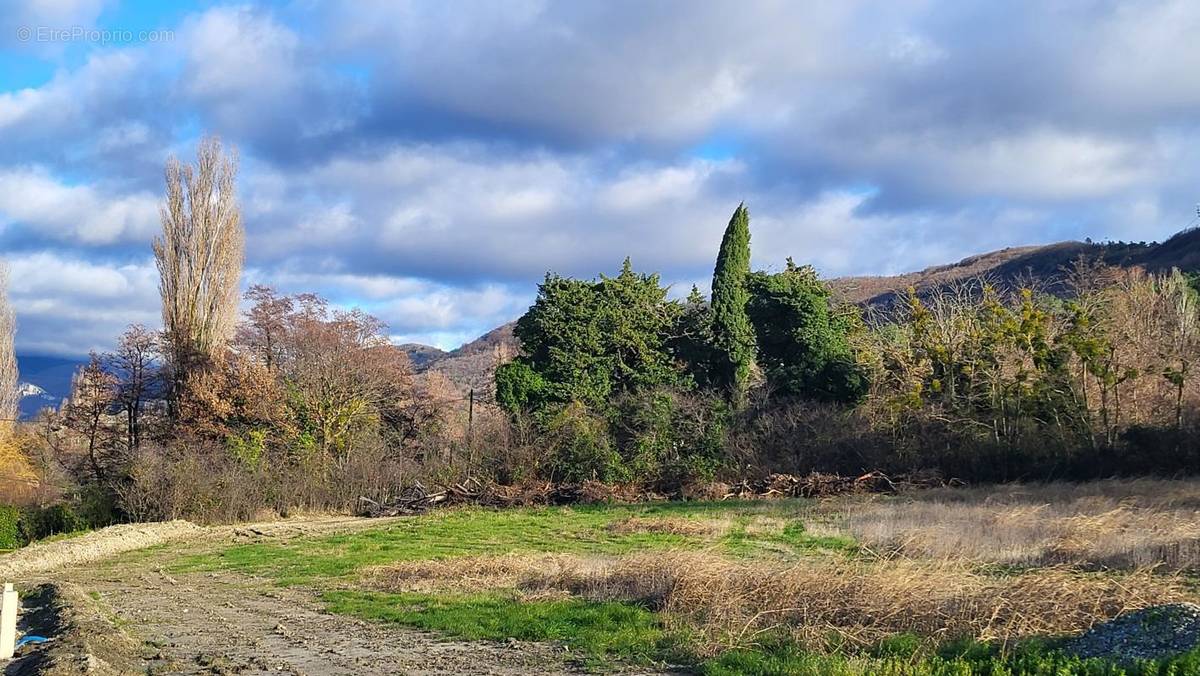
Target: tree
[590,340]
[692,340]
[266,322]
[199,257]
[733,335]
[10,397]
[519,388]
[135,365]
[88,413]
[340,372]
[803,342]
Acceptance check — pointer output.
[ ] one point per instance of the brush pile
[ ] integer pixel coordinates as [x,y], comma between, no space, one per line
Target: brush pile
[416,499]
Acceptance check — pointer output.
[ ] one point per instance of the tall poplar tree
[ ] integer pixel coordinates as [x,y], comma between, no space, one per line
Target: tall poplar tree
[199,256]
[733,334]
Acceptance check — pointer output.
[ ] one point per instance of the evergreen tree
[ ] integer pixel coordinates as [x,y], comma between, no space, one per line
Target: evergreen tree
[733,335]
[590,340]
[803,340]
[692,342]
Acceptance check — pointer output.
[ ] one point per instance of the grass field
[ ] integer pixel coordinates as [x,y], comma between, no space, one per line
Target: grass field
[980,581]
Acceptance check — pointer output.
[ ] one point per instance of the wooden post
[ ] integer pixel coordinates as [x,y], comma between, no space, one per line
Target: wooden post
[470,415]
[8,622]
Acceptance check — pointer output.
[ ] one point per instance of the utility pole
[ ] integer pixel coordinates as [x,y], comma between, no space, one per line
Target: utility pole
[470,416]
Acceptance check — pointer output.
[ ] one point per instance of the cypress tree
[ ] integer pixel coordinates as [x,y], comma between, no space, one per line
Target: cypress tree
[733,334]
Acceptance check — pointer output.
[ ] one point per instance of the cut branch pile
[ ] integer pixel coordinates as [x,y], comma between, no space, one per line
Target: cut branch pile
[416,499]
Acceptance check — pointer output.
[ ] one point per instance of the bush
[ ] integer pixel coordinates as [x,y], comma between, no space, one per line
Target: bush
[670,438]
[97,506]
[580,447]
[37,523]
[10,531]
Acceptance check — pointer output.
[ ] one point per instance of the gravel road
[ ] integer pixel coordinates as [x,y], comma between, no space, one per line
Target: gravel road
[126,615]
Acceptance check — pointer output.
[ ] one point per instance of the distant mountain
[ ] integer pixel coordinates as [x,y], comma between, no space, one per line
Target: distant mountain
[1036,264]
[472,365]
[422,356]
[45,381]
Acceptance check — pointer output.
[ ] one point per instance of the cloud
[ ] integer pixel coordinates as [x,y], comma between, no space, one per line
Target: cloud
[257,81]
[431,162]
[45,209]
[67,305]
[415,309]
[60,14]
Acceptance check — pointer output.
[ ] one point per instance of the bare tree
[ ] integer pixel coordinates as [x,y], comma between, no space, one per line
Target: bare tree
[135,365]
[199,257]
[262,334]
[10,396]
[87,414]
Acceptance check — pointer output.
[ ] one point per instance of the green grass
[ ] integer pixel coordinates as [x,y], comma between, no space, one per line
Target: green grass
[464,532]
[1034,658]
[791,542]
[592,629]
[601,631]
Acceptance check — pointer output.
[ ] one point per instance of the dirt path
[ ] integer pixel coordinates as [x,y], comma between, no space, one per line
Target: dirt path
[205,623]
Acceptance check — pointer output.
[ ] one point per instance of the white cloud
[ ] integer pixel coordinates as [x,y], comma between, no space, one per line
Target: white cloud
[81,215]
[239,51]
[67,305]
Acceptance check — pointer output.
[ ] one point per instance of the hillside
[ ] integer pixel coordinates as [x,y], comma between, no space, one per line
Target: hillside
[472,365]
[1040,265]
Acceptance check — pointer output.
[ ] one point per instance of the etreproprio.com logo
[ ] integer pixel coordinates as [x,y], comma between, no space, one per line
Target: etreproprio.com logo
[101,36]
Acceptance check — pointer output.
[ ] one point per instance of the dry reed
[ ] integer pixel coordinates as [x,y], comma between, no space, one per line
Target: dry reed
[861,601]
[1123,525]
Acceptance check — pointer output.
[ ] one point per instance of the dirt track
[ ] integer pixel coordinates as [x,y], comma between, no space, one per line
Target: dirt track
[135,618]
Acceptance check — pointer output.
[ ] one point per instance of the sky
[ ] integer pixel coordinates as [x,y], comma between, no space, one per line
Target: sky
[431,161]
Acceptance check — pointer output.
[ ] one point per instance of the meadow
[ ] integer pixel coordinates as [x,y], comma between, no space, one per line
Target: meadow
[962,581]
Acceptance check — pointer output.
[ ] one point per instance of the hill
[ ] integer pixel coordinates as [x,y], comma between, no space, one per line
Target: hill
[472,365]
[1038,265]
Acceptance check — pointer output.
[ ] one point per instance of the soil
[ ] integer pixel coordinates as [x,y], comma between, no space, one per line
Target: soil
[128,616]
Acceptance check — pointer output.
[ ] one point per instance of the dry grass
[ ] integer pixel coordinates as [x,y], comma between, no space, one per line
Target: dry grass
[470,573]
[861,601]
[672,525]
[730,602]
[1108,524]
[928,565]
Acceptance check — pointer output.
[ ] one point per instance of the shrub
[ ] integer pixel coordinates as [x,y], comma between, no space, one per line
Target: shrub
[37,523]
[670,438]
[98,506]
[10,533]
[580,447]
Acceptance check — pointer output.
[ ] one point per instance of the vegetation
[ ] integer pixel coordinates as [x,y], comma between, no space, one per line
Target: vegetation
[974,380]
[783,587]
[590,341]
[304,405]
[803,339]
[732,335]
[10,527]
[199,257]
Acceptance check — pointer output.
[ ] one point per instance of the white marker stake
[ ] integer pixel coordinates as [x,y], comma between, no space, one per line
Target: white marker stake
[8,622]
